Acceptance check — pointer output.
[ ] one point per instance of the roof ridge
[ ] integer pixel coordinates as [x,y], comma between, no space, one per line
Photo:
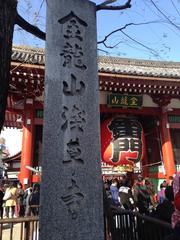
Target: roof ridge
[134,61]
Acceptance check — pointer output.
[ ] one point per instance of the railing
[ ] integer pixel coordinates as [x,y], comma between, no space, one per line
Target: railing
[127,225]
[119,225]
[26,228]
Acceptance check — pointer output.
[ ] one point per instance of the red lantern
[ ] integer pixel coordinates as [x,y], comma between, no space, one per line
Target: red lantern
[122,141]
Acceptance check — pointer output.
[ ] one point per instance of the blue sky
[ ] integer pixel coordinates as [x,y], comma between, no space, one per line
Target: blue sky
[157,40]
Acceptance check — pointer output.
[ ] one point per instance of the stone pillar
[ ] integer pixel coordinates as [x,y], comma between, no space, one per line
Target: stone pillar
[27,142]
[167,149]
[71,189]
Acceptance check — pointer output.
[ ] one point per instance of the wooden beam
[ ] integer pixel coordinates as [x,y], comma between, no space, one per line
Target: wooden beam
[27,65]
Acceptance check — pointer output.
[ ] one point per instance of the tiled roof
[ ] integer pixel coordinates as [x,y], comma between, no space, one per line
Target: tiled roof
[139,67]
[15,157]
[107,64]
[28,55]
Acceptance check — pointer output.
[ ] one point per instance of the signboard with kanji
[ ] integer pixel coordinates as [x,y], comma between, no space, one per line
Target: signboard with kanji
[125,101]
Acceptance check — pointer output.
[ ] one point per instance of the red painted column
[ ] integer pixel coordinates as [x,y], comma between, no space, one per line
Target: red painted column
[27,143]
[167,149]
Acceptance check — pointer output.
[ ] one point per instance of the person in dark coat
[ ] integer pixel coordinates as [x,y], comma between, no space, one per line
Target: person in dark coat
[1,201]
[27,194]
[165,210]
[34,199]
[141,196]
[126,197]
[176,233]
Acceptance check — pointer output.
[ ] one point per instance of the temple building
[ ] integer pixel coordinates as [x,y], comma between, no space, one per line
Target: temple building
[139,103]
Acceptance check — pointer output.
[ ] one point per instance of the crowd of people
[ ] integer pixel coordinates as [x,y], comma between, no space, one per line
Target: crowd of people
[141,196]
[138,195]
[18,202]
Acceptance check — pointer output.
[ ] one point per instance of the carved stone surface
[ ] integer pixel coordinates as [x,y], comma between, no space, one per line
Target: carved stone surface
[71,192]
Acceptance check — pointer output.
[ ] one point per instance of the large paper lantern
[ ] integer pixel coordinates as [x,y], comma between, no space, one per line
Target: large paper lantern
[122,141]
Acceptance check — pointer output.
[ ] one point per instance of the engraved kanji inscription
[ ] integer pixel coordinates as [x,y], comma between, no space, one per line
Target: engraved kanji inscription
[73,198]
[73,31]
[74,152]
[73,26]
[65,124]
[73,89]
[73,56]
[74,118]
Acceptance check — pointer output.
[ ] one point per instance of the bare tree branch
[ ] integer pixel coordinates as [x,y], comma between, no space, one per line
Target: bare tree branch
[108,46]
[102,50]
[103,6]
[124,27]
[175,7]
[155,53]
[111,33]
[29,27]
[108,2]
[121,30]
[169,20]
